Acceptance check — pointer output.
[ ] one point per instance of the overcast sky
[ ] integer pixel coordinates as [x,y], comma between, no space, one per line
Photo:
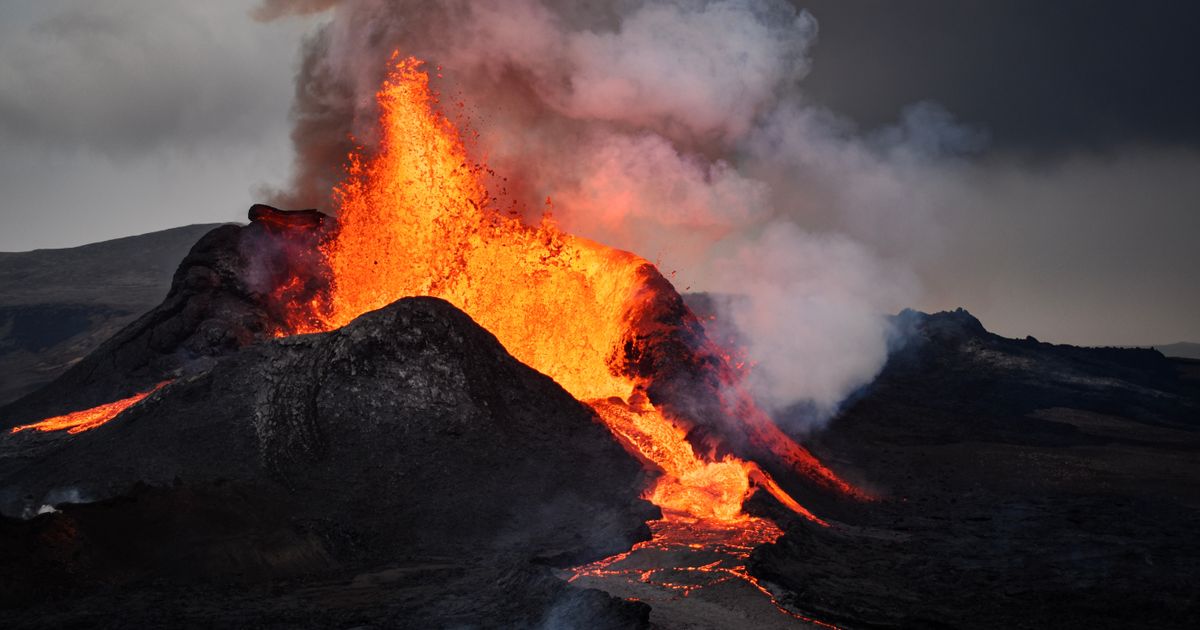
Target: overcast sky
[128,116]
[1077,222]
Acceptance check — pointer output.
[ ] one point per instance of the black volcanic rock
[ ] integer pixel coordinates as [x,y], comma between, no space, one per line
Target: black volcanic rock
[309,219]
[407,449]
[1022,485]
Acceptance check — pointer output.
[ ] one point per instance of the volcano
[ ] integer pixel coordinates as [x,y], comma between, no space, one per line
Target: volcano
[415,218]
[423,409]
[263,322]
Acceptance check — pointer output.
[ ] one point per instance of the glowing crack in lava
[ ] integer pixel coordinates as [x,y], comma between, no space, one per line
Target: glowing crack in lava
[80,421]
[683,557]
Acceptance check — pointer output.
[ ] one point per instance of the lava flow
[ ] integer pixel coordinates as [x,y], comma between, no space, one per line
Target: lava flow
[685,556]
[80,421]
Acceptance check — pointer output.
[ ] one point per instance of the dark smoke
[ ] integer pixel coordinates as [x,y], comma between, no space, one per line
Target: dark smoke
[320,134]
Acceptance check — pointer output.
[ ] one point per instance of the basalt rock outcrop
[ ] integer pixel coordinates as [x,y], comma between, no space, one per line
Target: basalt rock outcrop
[404,467]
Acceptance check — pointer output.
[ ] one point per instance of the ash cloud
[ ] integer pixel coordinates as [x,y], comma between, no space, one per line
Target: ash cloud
[275,9]
[676,130]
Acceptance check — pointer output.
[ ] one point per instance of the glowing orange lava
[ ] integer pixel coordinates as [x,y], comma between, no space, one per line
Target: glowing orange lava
[416,219]
[80,421]
[685,556]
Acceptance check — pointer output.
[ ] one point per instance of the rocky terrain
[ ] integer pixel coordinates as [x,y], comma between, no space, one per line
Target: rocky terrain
[219,301]
[1021,485]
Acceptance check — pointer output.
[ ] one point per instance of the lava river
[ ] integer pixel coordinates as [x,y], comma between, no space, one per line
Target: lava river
[87,419]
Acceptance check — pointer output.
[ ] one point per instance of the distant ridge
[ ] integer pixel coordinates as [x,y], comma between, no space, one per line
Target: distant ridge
[56,305]
[1182,350]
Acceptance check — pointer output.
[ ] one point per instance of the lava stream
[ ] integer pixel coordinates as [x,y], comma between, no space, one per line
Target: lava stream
[686,555]
[80,421]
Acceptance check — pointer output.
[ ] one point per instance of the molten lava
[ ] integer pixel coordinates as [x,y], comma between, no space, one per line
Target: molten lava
[416,219]
[685,556]
[80,421]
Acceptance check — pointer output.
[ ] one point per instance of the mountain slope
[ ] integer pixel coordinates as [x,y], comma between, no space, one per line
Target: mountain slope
[405,466]
[1183,350]
[56,305]
[1020,484]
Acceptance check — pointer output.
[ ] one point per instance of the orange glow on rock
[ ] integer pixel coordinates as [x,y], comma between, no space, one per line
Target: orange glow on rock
[685,555]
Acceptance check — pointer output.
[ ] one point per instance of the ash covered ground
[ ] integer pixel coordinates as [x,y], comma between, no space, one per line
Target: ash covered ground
[1019,484]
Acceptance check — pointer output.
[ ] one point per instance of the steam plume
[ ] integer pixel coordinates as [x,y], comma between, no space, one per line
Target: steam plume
[675,129]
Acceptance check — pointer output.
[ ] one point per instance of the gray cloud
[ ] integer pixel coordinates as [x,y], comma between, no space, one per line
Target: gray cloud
[128,76]
[125,117]
[275,9]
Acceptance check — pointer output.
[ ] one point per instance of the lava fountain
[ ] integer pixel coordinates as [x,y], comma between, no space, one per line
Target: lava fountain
[415,218]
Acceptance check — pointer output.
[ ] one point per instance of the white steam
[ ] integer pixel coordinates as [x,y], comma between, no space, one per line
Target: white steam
[811,317]
[677,130]
[698,69]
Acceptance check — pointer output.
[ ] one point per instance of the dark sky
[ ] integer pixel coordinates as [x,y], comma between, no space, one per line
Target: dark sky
[1042,76]
[1079,222]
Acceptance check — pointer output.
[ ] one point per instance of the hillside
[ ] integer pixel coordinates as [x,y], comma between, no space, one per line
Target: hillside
[56,305]
[1183,350]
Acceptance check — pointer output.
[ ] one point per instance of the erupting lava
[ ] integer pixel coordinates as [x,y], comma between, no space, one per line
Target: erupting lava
[416,219]
[80,421]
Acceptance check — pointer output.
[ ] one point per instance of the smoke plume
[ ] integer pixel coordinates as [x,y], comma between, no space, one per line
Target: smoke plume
[677,130]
